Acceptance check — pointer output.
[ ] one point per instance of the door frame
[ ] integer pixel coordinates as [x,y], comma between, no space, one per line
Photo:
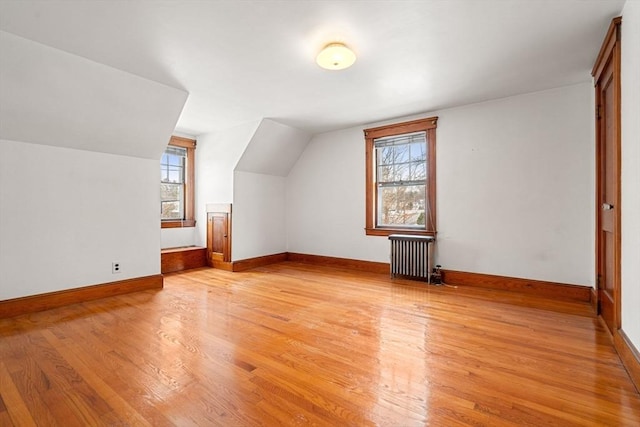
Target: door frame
[610,51]
[219,209]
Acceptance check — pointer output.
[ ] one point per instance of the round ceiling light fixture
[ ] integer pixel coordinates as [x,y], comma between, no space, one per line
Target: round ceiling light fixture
[336,56]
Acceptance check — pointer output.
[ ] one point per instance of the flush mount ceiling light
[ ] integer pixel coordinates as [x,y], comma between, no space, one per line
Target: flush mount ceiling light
[336,56]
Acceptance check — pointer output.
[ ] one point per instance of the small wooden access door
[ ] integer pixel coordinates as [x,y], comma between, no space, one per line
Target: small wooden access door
[606,73]
[219,236]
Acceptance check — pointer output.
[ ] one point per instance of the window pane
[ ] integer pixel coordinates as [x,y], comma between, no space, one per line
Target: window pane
[401,159]
[418,171]
[384,155]
[175,174]
[402,172]
[418,151]
[385,174]
[176,190]
[401,153]
[171,210]
[172,201]
[176,160]
[401,206]
[172,165]
[170,192]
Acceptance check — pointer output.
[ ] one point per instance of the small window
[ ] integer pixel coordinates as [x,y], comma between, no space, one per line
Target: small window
[177,183]
[172,168]
[400,176]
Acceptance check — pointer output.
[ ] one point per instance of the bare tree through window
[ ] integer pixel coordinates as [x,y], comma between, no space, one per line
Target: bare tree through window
[172,180]
[401,163]
[400,176]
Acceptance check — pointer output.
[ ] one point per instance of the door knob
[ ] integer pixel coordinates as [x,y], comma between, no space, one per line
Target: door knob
[607,207]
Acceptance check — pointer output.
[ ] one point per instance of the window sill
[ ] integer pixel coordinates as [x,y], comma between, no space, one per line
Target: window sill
[389,231]
[178,224]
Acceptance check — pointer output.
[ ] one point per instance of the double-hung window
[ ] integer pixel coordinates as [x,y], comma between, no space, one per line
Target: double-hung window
[176,183]
[400,174]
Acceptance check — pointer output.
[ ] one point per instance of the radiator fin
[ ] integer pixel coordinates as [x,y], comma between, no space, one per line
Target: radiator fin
[410,256]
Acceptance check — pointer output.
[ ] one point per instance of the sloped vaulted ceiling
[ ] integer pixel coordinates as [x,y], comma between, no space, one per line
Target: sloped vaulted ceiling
[51,97]
[273,149]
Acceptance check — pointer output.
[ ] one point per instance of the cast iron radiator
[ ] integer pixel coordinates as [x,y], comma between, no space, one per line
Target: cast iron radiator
[410,256]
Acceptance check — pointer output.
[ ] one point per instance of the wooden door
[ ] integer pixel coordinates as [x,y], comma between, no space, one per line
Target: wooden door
[607,84]
[218,238]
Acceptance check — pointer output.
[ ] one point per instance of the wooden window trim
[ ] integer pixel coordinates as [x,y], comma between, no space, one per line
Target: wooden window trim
[427,125]
[189,194]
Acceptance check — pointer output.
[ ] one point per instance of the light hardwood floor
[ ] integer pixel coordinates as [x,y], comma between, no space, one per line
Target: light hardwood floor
[293,344]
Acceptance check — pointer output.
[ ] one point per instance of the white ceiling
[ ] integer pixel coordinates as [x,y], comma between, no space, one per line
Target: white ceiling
[242,61]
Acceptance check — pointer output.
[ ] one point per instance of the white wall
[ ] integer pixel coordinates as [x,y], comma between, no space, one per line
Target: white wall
[217,155]
[631,171]
[259,189]
[516,186]
[177,237]
[66,214]
[258,225]
[326,200]
[261,153]
[515,189]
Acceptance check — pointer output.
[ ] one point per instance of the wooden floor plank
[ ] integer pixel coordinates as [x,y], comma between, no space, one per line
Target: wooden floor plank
[121,408]
[15,411]
[294,344]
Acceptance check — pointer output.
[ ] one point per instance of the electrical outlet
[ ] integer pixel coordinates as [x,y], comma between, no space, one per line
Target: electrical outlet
[115,267]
